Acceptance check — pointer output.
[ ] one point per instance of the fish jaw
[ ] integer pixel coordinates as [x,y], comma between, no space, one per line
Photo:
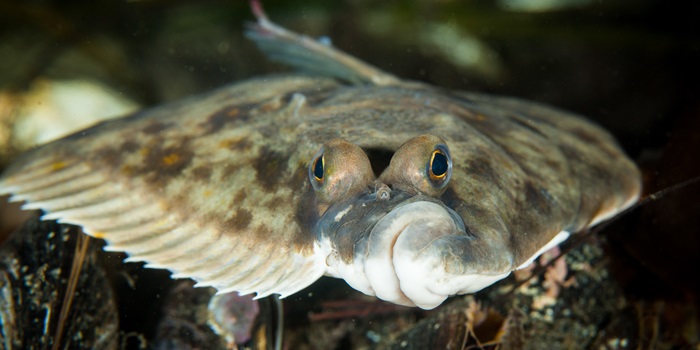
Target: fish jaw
[405,258]
[398,239]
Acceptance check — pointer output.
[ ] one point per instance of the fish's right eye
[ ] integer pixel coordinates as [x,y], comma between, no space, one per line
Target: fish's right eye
[318,174]
[339,169]
[318,168]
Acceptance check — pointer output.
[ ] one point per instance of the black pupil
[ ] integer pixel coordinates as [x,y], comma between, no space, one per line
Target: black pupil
[439,166]
[318,168]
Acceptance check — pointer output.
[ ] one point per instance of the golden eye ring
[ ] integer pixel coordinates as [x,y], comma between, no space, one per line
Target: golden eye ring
[318,168]
[438,167]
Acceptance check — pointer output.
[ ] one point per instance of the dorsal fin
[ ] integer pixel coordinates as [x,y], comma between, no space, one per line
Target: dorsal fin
[310,55]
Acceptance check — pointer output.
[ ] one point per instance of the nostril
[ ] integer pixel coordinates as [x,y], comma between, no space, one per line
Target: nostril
[383,192]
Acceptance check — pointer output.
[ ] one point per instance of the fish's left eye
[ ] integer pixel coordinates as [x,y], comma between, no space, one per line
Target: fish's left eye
[421,165]
[438,165]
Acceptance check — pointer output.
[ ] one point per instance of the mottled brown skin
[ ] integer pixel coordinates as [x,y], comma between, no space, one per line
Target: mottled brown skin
[521,170]
[532,169]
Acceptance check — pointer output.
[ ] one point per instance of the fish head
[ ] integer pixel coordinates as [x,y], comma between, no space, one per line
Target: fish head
[377,229]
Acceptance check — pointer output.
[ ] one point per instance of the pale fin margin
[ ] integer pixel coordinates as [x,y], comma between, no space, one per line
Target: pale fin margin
[137,223]
[558,239]
[310,55]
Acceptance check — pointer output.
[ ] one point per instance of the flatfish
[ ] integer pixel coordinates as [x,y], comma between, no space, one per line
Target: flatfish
[407,191]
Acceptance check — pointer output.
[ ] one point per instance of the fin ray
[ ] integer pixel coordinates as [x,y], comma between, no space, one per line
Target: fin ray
[141,225]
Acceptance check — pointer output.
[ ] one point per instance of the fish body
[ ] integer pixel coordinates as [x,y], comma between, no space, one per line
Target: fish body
[408,192]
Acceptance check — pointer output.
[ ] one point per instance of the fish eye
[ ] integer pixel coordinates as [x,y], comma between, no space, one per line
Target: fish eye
[421,165]
[318,168]
[439,166]
[337,170]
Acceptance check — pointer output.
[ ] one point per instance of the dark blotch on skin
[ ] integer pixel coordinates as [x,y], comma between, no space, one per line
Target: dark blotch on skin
[593,139]
[239,197]
[481,167]
[240,221]
[303,203]
[453,201]
[585,135]
[239,145]
[230,169]
[299,180]
[270,167]
[129,146]
[114,154]
[306,216]
[163,164]
[202,173]
[451,198]
[536,199]
[263,231]
[230,114]
[276,202]
[572,154]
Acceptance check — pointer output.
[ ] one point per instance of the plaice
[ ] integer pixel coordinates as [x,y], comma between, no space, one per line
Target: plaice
[266,185]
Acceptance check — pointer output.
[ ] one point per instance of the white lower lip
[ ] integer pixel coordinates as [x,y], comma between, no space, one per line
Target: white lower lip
[423,222]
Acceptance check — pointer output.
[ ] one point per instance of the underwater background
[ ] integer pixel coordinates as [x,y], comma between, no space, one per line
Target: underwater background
[630,66]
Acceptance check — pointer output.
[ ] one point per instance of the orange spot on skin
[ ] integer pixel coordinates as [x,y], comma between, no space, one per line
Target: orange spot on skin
[99,235]
[206,193]
[127,170]
[171,159]
[225,143]
[233,112]
[58,166]
[231,142]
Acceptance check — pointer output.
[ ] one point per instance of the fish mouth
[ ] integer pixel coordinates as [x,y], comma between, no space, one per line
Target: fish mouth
[397,241]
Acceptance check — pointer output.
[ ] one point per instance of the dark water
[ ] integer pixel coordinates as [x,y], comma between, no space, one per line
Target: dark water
[632,66]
